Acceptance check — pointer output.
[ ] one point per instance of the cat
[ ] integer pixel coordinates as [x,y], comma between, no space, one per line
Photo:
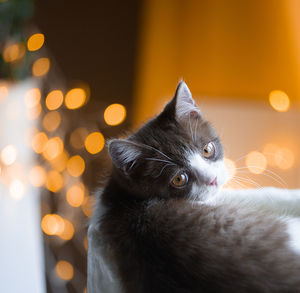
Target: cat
[162,223]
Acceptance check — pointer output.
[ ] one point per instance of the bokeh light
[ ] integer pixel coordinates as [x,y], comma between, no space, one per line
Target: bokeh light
[3,92]
[37,176]
[39,142]
[114,114]
[64,270]
[94,142]
[256,162]
[41,67]
[231,167]
[75,166]
[284,158]
[85,243]
[54,181]
[53,148]
[68,231]
[9,154]
[75,195]
[269,152]
[13,52]
[279,100]
[17,189]
[77,137]
[60,162]
[88,206]
[52,224]
[32,97]
[51,121]
[35,42]
[54,99]
[75,98]
[34,112]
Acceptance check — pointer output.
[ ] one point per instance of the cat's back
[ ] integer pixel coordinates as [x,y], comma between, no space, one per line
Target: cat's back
[180,246]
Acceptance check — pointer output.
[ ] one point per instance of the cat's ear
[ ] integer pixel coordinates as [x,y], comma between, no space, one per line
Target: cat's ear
[185,106]
[124,154]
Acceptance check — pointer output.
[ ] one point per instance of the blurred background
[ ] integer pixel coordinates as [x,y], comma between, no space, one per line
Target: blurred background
[74,73]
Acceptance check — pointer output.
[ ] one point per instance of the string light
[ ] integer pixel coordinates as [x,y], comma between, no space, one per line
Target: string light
[75,195]
[13,52]
[77,137]
[68,231]
[35,42]
[32,97]
[51,121]
[87,206]
[114,114]
[52,224]
[284,158]
[34,112]
[37,176]
[39,142]
[17,189]
[54,99]
[54,181]
[40,67]
[64,270]
[279,100]
[53,148]
[9,154]
[94,142]
[60,162]
[75,166]
[256,162]
[75,98]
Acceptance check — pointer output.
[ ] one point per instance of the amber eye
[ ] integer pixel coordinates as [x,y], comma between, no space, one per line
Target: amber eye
[208,150]
[180,180]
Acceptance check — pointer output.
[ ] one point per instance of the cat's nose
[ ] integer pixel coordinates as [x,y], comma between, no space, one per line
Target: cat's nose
[214,182]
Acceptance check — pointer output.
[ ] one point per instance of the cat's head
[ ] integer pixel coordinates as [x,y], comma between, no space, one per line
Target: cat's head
[176,154]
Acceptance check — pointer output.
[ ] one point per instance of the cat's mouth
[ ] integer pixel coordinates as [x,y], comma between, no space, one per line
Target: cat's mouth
[214,182]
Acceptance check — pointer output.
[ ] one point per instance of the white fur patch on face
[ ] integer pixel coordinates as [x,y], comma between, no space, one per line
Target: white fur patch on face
[208,170]
[293,229]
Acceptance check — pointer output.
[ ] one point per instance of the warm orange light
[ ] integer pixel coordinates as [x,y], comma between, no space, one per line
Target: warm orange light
[114,114]
[94,142]
[32,97]
[34,112]
[75,195]
[9,154]
[54,181]
[41,67]
[85,243]
[37,176]
[77,137]
[51,121]
[60,162]
[17,189]
[35,42]
[64,270]
[256,162]
[231,167]
[75,98]
[54,99]
[284,158]
[52,224]
[39,142]
[3,92]
[75,166]
[269,152]
[88,205]
[53,148]
[279,100]
[68,231]
[13,52]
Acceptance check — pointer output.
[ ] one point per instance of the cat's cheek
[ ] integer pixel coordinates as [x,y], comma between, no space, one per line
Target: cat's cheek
[222,173]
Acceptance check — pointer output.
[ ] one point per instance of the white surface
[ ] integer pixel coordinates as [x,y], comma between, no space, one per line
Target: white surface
[21,250]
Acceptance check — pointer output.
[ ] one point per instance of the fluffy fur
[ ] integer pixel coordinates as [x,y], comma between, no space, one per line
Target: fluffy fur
[150,234]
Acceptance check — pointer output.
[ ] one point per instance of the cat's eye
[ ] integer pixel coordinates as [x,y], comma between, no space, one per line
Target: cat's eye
[180,180]
[209,150]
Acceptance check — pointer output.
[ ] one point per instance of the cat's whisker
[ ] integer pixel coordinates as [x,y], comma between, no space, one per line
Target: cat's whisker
[247,180]
[270,173]
[159,160]
[239,184]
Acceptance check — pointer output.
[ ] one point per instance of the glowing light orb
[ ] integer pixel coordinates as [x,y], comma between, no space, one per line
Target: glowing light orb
[256,162]
[279,100]
[75,166]
[9,154]
[35,42]
[64,270]
[40,67]
[94,142]
[114,114]
[75,98]
[54,99]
